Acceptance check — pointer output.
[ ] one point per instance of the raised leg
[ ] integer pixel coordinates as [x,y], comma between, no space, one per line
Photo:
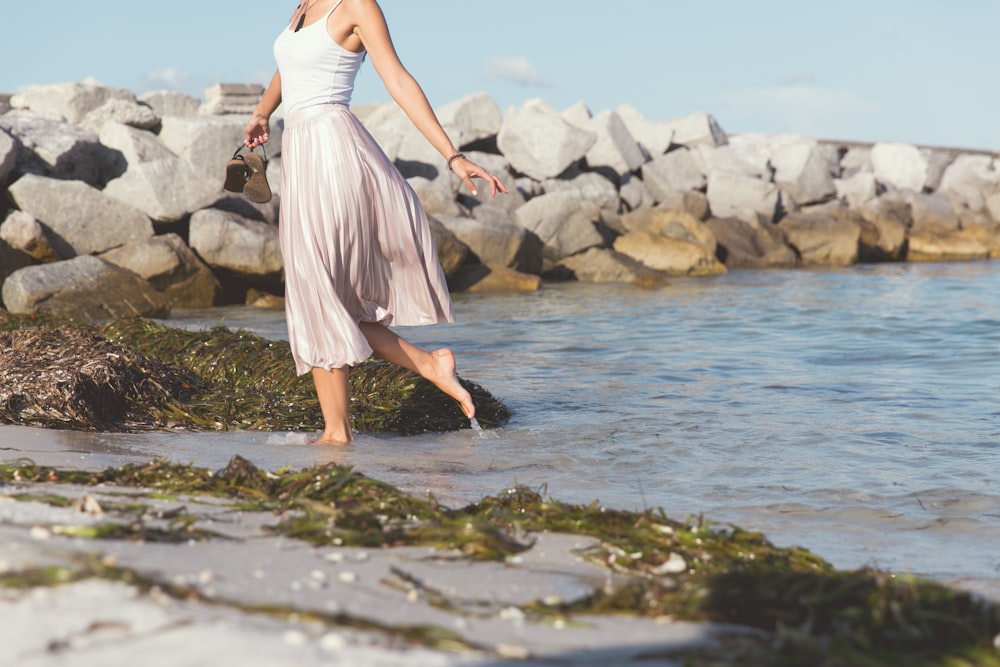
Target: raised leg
[438,366]
[333,390]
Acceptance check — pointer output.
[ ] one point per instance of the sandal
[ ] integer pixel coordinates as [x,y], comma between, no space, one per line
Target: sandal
[248,174]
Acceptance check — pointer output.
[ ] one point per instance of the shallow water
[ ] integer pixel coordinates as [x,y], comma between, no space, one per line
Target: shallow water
[853,412]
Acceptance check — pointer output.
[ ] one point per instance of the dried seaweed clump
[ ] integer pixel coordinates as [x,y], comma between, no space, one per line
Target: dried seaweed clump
[72,378]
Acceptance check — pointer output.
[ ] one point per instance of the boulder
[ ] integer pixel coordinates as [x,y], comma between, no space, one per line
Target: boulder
[674,171]
[672,223]
[856,160]
[493,278]
[578,114]
[937,162]
[80,219]
[729,158]
[987,235]
[156,181]
[952,245]
[231,98]
[541,144]
[12,259]
[736,196]
[884,228]
[505,245]
[169,103]
[993,207]
[824,235]
[126,112]
[856,190]
[564,222]
[741,244]
[671,255]
[246,248]
[471,119]
[50,146]
[72,101]
[970,180]
[388,124]
[172,268]
[208,142]
[435,196]
[616,150]
[8,156]
[697,129]
[452,253]
[85,288]
[24,233]
[900,166]
[591,186]
[635,194]
[931,212]
[689,201]
[655,137]
[803,171]
[603,265]
[498,165]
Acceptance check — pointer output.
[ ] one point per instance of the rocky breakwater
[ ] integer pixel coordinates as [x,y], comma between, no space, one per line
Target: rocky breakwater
[114,203]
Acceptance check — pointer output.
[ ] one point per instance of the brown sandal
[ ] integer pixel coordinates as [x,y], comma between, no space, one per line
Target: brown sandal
[248,174]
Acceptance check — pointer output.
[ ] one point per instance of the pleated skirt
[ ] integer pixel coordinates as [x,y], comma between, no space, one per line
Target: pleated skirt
[355,241]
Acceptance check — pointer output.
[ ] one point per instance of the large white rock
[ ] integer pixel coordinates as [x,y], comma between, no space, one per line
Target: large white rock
[803,171]
[591,186]
[470,119]
[857,189]
[970,180]
[72,101]
[157,182]
[208,142]
[228,241]
[8,155]
[655,137]
[697,129]
[856,159]
[84,219]
[497,243]
[170,103]
[127,112]
[674,171]
[54,147]
[635,194]
[901,166]
[23,232]
[728,158]
[563,221]
[743,197]
[541,144]
[615,149]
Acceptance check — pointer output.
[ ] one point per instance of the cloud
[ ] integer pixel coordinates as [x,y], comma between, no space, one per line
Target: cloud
[168,76]
[803,108]
[516,70]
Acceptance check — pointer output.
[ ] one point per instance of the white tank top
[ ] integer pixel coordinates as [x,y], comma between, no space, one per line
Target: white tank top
[314,68]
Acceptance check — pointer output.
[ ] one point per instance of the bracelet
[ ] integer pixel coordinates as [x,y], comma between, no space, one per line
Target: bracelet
[454,157]
[260,115]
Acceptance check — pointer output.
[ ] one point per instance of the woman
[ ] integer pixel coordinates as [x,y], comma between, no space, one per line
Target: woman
[357,248]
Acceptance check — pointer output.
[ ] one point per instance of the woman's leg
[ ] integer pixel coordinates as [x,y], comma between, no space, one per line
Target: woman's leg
[438,367]
[333,390]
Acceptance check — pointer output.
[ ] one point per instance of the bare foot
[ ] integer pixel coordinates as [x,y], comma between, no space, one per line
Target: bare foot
[334,438]
[444,378]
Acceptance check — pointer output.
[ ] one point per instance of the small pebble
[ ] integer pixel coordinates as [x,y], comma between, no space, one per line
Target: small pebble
[347,577]
[206,576]
[318,575]
[40,533]
[332,642]
[334,557]
[295,638]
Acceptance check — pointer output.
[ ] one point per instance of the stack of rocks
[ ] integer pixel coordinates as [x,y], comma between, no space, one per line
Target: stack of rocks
[231,98]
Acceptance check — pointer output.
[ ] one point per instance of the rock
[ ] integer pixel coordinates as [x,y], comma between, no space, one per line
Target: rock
[993,207]
[884,228]
[260,299]
[157,182]
[435,196]
[578,114]
[388,124]
[231,98]
[671,255]
[856,160]
[803,171]
[672,172]
[689,201]
[857,189]
[931,212]
[656,138]
[504,245]
[970,180]
[635,194]
[452,253]
[988,236]
[937,162]
[471,119]
[498,165]
[564,223]
[85,288]
[24,233]
[208,142]
[53,147]
[591,186]
[244,247]
[741,244]
[172,268]
[737,196]
[672,223]
[12,259]
[72,101]
[729,158]
[698,129]
[493,278]
[937,245]
[82,220]
[824,235]
[541,144]
[602,265]
[901,166]
[616,150]
[8,156]
[126,112]
[170,103]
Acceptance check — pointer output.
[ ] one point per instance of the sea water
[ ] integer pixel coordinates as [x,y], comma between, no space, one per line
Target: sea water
[853,412]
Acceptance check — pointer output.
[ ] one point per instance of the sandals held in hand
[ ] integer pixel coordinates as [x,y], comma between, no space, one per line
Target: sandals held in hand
[248,174]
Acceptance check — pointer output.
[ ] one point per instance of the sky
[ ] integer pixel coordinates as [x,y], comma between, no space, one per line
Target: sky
[914,71]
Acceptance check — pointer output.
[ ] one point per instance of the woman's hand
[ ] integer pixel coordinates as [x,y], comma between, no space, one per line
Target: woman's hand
[257,131]
[467,170]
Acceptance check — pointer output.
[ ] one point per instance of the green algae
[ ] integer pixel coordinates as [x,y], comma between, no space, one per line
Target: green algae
[693,570]
[215,379]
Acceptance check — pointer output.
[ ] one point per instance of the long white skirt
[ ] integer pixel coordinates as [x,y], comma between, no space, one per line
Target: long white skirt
[354,238]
